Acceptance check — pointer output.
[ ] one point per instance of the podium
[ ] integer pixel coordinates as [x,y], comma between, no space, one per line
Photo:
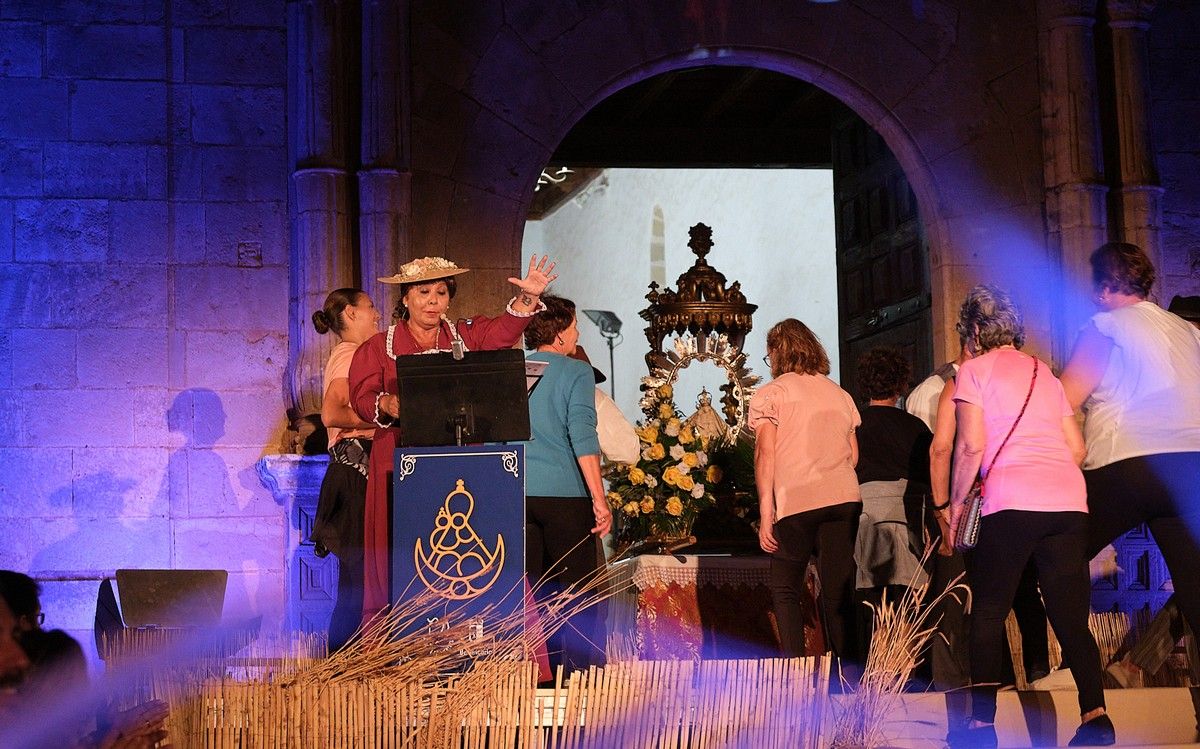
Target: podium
[458,527]
[458,512]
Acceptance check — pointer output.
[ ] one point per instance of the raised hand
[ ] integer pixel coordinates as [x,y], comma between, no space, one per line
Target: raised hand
[540,275]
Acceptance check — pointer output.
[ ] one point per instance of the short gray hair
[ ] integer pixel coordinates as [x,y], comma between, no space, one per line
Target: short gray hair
[989,318]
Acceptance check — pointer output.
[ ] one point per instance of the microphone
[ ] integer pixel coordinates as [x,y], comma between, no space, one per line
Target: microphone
[457,347]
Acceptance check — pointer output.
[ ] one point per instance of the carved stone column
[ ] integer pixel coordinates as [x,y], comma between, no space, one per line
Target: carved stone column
[1072,153]
[321,261]
[1138,199]
[384,180]
[322,252]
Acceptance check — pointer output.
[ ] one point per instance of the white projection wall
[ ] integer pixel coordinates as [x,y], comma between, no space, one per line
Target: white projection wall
[772,230]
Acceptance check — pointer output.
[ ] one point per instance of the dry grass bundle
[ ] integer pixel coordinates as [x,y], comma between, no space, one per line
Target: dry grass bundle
[902,631]
[407,685]
[419,665]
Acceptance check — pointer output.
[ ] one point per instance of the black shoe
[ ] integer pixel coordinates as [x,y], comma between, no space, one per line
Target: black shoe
[983,737]
[1098,731]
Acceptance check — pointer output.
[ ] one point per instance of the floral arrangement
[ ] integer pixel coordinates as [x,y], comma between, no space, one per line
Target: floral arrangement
[660,496]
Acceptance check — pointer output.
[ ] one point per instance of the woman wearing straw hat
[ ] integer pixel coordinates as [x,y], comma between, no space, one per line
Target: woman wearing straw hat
[420,325]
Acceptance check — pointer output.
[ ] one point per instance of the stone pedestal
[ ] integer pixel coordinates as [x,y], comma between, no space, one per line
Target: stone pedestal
[310,587]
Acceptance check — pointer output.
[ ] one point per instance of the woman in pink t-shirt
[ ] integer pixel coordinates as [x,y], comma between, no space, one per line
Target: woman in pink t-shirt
[804,457]
[338,527]
[1035,507]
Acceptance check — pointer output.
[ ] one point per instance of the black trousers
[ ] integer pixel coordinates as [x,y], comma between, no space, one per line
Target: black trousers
[560,551]
[340,528]
[828,533]
[1056,542]
[1162,491]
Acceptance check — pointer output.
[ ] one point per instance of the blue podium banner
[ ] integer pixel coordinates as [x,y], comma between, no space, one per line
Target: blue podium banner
[458,526]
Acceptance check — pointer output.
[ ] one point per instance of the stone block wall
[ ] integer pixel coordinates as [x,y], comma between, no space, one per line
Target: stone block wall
[144,293]
[1174,42]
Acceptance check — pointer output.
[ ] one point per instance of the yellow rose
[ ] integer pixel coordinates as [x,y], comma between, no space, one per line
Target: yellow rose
[657,451]
[664,391]
[647,504]
[690,460]
[665,410]
[671,476]
[685,482]
[636,475]
[648,434]
[614,499]
[674,507]
[686,436]
[713,474]
[630,508]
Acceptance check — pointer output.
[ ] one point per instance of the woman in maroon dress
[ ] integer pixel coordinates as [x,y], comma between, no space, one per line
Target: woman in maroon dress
[421,326]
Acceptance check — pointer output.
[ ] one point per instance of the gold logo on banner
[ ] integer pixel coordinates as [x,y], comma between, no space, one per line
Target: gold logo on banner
[458,565]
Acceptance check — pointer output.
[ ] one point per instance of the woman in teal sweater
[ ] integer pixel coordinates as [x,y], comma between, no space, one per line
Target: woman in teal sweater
[565,510]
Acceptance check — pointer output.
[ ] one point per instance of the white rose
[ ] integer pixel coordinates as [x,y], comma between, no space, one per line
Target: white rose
[650,481]
[702,457]
[698,491]
[672,428]
[683,468]
[646,454]
[677,452]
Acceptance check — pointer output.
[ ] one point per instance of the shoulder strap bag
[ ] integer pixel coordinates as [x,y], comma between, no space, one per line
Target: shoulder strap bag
[967,533]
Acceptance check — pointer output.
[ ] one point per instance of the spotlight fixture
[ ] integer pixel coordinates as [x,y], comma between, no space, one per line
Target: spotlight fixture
[610,327]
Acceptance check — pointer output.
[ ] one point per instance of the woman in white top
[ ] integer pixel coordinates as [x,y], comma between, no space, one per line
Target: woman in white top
[1135,371]
[338,527]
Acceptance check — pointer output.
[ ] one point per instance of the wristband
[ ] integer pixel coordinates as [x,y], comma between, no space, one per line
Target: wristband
[541,307]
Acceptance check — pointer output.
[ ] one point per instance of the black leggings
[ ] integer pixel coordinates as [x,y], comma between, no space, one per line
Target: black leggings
[561,548]
[1056,542]
[829,533]
[1162,491]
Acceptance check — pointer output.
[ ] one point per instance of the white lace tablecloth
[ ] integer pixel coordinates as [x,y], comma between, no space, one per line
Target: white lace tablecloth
[649,570]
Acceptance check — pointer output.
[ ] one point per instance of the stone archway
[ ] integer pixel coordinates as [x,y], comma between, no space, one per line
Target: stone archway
[912,162]
[511,91]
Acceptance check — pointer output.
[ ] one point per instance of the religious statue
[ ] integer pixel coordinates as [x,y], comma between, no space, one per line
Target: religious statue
[706,422]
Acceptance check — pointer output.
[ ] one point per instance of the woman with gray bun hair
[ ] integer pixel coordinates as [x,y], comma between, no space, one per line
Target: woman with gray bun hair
[1017,429]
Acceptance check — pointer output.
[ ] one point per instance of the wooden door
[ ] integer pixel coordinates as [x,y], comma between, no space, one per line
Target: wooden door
[882,257]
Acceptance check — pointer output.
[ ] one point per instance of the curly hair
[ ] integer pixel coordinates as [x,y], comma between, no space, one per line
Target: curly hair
[883,373]
[1122,267]
[551,321]
[796,349]
[988,319]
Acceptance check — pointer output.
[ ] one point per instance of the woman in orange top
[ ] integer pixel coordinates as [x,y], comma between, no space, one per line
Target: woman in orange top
[804,457]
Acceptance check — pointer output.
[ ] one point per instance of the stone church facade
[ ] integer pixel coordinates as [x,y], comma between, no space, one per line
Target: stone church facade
[181,182]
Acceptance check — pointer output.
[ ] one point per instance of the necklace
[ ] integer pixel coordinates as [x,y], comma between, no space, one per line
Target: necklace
[427,339]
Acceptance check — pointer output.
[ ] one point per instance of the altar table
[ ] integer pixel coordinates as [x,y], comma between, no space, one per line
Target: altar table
[676,607]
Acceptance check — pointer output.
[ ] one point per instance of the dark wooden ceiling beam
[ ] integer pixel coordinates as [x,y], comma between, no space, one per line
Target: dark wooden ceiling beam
[730,95]
[695,146]
[658,86]
[793,111]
